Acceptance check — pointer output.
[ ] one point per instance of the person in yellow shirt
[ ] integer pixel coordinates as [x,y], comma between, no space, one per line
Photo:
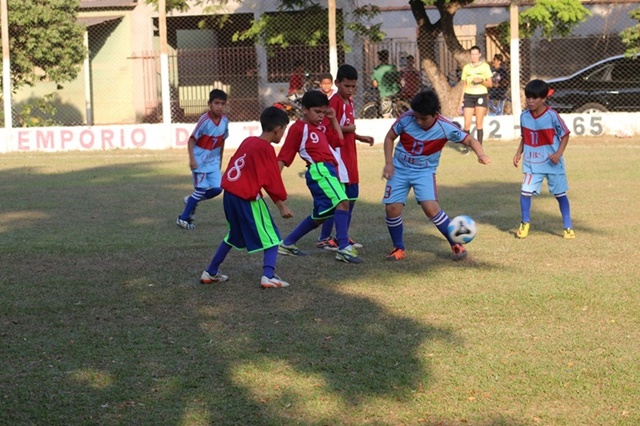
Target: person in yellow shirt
[476,81]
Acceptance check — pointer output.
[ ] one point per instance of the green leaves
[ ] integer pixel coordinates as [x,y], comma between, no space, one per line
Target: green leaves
[631,36]
[552,17]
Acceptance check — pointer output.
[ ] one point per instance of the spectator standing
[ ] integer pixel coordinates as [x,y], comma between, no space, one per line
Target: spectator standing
[386,79]
[500,83]
[411,79]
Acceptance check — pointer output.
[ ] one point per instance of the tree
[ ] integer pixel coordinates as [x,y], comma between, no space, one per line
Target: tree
[45,42]
[631,36]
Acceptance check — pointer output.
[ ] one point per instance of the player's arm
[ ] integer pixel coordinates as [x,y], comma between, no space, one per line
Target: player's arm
[351,128]
[388,170]
[516,158]
[331,115]
[193,164]
[365,139]
[557,156]
[476,146]
[285,212]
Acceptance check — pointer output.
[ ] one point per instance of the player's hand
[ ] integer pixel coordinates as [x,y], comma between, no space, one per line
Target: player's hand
[516,160]
[555,158]
[193,164]
[461,109]
[388,171]
[368,139]
[484,159]
[285,212]
[330,113]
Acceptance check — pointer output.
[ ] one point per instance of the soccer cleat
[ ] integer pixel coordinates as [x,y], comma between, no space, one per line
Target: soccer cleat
[396,254]
[291,250]
[523,230]
[354,244]
[185,224]
[328,243]
[569,234]
[348,255]
[459,252]
[207,278]
[275,282]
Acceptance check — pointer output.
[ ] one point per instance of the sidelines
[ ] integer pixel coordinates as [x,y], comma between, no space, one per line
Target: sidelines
[160,136]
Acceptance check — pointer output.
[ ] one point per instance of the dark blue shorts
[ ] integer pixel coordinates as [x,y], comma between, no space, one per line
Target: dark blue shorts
[326,189]
[250,224]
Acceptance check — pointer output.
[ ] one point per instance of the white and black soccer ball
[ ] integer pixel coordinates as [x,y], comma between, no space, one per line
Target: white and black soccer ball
[462,229]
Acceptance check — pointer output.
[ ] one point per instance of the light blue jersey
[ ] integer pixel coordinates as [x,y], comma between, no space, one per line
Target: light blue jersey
[419,148]
[210,137]
[541,136]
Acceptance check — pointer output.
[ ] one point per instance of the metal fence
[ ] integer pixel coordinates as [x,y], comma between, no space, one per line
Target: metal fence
[120,81]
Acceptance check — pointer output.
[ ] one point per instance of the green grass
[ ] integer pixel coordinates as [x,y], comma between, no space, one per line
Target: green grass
[104,322]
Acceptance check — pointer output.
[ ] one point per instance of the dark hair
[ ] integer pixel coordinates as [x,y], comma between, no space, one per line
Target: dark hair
[410,57]
[383,55]
[273,117]
[217,94]
[498,56]
[314,98]
[475,48]
[348,72]
[426,103]
[536,89]
[325,75]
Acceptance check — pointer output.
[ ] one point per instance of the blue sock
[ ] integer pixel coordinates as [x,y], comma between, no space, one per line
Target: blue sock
[218,258]
[341,218]
[192,203]
[565,210]
[525,206]
[395,227]
[269,261]
[307,225]
[327,227]
[441,221]
[212,192]
[351,205]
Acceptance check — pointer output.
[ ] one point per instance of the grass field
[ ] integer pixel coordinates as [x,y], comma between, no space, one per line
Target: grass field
[104,321]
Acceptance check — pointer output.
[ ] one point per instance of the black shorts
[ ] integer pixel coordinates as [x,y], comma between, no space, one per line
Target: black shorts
[472,101]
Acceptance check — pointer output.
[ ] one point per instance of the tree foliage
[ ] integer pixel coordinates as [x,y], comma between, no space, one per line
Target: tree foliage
[45,42]
[631,36]
[552,18]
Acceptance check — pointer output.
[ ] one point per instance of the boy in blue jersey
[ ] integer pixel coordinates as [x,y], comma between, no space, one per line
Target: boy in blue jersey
[544,139]
[206,145]
[413,163]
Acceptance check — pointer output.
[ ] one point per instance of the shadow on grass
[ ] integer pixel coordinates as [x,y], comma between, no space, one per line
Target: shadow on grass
[103,322]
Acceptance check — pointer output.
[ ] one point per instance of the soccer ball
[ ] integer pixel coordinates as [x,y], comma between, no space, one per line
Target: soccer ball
[462,229]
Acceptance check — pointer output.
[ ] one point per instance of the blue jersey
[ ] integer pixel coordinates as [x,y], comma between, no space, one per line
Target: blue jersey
[419,148]
[210,137]
[541,136]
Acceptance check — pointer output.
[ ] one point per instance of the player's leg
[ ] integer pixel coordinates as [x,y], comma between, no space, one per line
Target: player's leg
[468,111]
[394,199]
[531,184]
[213,182]
[352,191]
[326,240]
[191,202]
[269,278]
[425,190]
[558,186]
[212,274]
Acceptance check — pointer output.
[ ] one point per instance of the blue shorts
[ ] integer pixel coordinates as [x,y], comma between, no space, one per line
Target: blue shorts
[326,189]
[352,190]
[250,224]
[207,180]
[423,182]
[557,183]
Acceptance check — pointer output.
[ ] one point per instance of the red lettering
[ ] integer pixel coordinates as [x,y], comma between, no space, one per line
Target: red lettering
[182,136]
[89,144]
[253,130]
[65,136]
[106,136]
[44,140]
[139,141]
[23,141]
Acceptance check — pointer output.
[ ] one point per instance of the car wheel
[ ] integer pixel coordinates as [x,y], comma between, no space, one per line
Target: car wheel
[591,108]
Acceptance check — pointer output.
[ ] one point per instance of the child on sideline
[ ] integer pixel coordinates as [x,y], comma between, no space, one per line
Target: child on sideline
[206,145]
[311,141]
[423,133]
[254,166]
[326,84]
[342,104]
[544,139]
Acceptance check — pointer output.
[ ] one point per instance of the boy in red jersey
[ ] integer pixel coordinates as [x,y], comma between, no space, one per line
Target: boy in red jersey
[342,104]
[310,139]
[253,167]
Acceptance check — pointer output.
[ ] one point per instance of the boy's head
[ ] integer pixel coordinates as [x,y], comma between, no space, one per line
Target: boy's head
[217,101]
[410,60]
[426,103]
[274,119]
[314,106]
[383,56]
[536,89]
[346,81]
[326,82]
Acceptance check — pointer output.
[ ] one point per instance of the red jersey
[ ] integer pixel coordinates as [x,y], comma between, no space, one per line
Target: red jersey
[254,166]
[310,142]
[348,152]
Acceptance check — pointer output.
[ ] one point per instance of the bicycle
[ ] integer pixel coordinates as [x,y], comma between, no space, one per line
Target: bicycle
[371,109]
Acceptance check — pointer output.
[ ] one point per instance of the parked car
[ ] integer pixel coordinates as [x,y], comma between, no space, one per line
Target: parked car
[612,84]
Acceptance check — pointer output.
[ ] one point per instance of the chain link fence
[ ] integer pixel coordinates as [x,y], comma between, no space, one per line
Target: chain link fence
[119,82]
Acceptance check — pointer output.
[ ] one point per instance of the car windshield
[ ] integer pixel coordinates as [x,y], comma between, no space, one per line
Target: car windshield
[601,74]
